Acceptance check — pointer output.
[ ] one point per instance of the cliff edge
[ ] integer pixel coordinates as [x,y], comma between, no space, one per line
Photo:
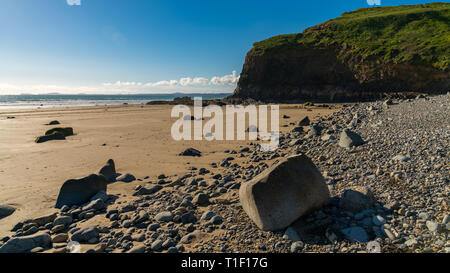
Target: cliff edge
[364,54]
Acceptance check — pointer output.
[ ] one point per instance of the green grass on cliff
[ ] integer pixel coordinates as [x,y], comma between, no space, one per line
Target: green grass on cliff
[416,34]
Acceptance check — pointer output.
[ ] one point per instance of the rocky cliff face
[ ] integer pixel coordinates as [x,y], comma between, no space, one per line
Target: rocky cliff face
[329,62]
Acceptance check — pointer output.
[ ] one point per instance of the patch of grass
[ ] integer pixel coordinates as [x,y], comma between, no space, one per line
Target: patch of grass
[415,34]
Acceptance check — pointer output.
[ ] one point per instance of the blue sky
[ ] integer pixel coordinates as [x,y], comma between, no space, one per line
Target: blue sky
[144,46]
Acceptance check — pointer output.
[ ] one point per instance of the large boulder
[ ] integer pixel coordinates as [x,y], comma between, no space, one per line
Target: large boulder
[283,193]
[109,171]
[27,243]
[80,191]
[6,210]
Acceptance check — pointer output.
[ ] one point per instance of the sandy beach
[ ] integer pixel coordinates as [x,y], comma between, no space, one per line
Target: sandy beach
[136,137]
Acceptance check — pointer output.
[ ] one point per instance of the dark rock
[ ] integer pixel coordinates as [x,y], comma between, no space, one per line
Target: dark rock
[53,122]
[79,191]
[304,122]
[63,131]
[147,190]
[109,171]
[55,136]
[191,152]
[6,210]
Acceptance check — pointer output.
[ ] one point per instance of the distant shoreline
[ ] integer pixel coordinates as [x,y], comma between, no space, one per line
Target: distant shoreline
[67,100]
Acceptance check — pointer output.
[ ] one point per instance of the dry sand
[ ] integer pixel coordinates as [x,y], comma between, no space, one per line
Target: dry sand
[137,138]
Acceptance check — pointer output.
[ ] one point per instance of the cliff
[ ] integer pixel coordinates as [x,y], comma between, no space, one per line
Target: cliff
[363,54]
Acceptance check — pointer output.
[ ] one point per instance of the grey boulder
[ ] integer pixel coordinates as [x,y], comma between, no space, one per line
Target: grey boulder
[283,193]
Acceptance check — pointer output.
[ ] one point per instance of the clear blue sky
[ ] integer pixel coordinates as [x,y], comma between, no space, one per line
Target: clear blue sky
[49,45]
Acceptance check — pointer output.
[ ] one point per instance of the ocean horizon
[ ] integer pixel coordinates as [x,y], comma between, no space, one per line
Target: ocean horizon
[63,100]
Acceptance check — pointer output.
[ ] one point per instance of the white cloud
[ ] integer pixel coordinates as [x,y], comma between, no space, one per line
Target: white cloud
[187,85]
[231,79]
[73,2]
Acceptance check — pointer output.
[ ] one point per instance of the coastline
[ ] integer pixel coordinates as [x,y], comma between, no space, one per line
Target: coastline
[137,137]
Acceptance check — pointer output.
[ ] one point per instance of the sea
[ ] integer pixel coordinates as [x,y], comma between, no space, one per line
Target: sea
[60,100]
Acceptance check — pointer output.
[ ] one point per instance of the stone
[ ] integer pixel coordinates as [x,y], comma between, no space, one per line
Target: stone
[378,220]
[95,205]
[55,136]
[109,171]
[127,178]
[165,216]
[281,194]
[147,190]
[27,243]
[433,226]
[297,246]
[137,249]
[156,245]
[327,137]
[53,122]
[80,191]
[201,199]
[191,152]
[60,238]
[355,234]
[208,215]
[186,239]
[304,122]
[291,234]
[68,131]
[6,211]
[401,158]
[63,220]
[349,139]
[100,195]
[85,234]
[45,219]
[357,199]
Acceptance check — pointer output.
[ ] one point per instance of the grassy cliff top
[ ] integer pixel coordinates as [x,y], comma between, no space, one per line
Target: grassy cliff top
[415,34]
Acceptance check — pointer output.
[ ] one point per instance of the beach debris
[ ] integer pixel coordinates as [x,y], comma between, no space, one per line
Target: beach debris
[283,193]
[79,191]
[191,152]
